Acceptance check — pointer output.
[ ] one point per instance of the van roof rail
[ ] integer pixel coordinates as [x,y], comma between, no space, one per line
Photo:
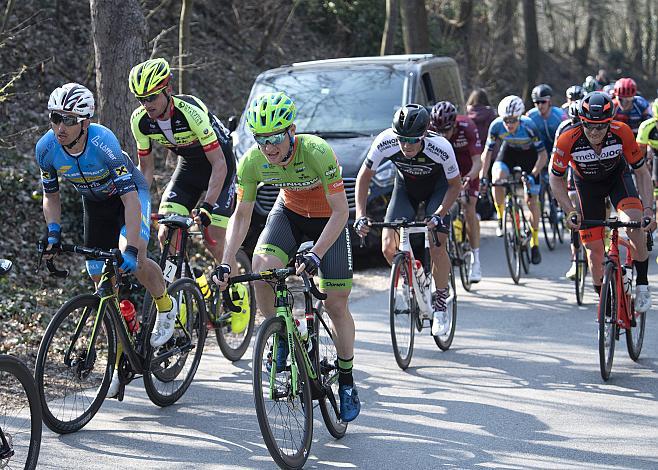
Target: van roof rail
[383,59]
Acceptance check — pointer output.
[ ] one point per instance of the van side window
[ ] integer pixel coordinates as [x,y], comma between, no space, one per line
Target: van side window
[447,85]
[428,89]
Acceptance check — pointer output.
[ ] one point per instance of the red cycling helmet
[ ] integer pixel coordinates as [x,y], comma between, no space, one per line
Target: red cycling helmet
[443,116]
[625,88]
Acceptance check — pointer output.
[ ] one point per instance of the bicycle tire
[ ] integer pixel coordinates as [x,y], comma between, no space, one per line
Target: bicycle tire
[581,273]
[162,383]
[50,366]
[402,320]
[326,358]
[524,237]
[607,320]
[548,221]
[465,254]
[635,334]
[287,457]
[14,424]
[234,344]
[445,341]
[512,245]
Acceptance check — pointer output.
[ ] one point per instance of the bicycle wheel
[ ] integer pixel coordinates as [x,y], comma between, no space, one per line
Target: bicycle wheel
[402,311]
[512,246]
[581,273]
[607,320]
[444,341]
[172,366]
[465,255]
[234,329]
[285,420]
[548,218]
[20,416]
[635,334]
[70,391]
[327,360]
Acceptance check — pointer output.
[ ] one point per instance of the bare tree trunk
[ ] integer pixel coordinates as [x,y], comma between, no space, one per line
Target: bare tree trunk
[390,27]
[634,33]
[581,52]
[532,51]
[115,55]
[466,32]
[415,31]
[184,42]
[5,19]
[504,62]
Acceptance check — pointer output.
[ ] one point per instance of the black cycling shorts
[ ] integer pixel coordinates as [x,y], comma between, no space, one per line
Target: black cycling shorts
[513,156]
[285,230]
[405,205]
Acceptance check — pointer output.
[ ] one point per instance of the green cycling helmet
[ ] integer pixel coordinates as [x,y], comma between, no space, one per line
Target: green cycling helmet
[271,112]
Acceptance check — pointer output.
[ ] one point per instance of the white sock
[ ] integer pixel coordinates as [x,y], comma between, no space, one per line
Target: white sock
[476,255]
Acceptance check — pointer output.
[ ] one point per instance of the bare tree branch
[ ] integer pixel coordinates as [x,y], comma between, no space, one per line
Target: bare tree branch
[157,38]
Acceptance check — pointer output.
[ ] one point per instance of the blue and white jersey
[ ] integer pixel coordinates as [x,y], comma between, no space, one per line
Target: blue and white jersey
[547,127]
[100,172]
[640,111]
[526,135]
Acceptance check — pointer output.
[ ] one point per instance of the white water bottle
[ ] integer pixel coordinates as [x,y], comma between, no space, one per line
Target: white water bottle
[627,272]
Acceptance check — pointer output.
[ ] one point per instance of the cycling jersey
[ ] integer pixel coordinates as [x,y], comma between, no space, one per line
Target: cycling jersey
[573,148]
[638,112]
[547,126]
[101,172]
[190,131]
[526,135]
[465,141]
[310,176]
[647,134]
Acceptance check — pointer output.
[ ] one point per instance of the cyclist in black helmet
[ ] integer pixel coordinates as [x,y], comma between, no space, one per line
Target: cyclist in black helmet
[427,171]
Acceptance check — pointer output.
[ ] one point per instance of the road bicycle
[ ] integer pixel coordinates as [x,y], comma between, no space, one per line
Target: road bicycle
[581,266]
[284,392]
[616,305]
[552,215]
[459,245]
[233,330]
[516,228]
[410,293]
[20,411]
[78,352]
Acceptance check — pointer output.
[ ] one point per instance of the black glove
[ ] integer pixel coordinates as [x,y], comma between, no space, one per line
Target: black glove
[221,270]
[311,263]
[359,223]
[204,212]
[437,220]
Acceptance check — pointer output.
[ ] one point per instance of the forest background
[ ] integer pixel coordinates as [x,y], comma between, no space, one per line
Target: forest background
[217,47]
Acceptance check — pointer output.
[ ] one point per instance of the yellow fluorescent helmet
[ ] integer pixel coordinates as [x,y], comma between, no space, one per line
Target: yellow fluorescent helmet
[149,77]
[271,112]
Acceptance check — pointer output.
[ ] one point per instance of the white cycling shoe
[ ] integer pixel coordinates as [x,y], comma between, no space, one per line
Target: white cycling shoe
[440,323]
[642,299]
[113,391]
[476,272]
[164,325]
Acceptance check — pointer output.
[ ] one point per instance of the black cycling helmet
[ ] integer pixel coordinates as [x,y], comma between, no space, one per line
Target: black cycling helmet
[411,120]
[575,92]
[596,107]
[541,92]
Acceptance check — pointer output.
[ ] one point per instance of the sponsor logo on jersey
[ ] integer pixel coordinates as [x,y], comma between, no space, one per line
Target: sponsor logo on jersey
[331,171]
[328,283]
[318,148]
[588,155]
[415,170]
[300,169]
[191,112]
[386,144]
[122,170]
[96,140]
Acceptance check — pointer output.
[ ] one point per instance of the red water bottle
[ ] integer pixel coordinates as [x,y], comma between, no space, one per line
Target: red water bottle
[128,311]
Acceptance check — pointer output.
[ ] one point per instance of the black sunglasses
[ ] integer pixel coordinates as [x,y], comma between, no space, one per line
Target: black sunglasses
[149,98]
[67,119]
[540,101]
[595,126]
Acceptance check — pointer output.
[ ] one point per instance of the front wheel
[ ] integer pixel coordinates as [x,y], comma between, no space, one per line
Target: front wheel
[402,310]
[512,244]
[20,416]
[444,341]
[581,273]
[607,320]
[74,364]
[327,360]
[285,418]
[173,365]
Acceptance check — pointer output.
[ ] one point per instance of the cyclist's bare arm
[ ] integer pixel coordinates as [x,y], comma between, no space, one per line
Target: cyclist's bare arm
[477,166]
[146,165]
[133,217]
[217,176]
[336,224]
[542,158]
[454,188]
[237,230]
[486,161]
[645,189]
[52,207]
[362,185]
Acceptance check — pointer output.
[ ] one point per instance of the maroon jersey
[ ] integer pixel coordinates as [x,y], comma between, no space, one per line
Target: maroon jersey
[466,142]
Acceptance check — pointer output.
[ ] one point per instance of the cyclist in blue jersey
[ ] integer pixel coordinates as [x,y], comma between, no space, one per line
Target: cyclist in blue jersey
[521,146]
[114,194]
[546,117]
[632,109]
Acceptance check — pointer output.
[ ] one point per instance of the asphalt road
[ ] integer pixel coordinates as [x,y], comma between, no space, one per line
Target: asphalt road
[519,388]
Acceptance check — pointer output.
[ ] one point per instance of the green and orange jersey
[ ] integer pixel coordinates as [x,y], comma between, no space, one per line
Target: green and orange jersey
[311,175]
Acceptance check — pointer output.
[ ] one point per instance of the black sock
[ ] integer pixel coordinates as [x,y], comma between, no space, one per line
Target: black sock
[345,371]
[641,268]
[597,289]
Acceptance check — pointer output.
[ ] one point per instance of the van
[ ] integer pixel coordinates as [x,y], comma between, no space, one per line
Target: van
[348,102]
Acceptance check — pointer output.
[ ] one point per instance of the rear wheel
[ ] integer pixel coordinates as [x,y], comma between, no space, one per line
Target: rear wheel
[173,365]
[403,311]
[465,255]
[607,321]
[548,218]
[581,273]
[512,245]
[635,334]
[444,341]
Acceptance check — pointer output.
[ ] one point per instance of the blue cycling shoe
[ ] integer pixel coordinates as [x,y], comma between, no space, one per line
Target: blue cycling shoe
[350,406]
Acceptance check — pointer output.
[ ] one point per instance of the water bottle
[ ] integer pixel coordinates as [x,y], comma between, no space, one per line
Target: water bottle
[457,227]
[627,273]
[202,282]
[129,314]
[420,273]
[302,328]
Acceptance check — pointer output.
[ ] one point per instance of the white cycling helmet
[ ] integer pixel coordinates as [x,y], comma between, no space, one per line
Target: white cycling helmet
[511,106]
[72,98]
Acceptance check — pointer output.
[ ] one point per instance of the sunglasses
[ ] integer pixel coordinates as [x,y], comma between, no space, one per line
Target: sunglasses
[67,119]
[595,127]
[275,139]
[510,120]
[409,140]
[540,101]
[149,98]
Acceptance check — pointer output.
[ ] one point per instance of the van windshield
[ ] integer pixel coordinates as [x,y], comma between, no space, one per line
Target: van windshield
[349,101]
